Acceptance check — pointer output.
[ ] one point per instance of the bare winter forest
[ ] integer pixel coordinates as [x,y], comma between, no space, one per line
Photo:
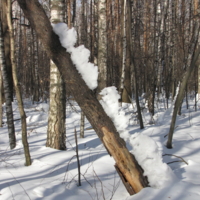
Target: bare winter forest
[93,95]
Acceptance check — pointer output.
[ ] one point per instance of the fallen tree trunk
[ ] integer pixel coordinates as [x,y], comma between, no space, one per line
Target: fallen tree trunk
[126,164]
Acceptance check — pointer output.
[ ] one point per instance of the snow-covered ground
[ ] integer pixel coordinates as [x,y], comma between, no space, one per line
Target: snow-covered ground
[54,175]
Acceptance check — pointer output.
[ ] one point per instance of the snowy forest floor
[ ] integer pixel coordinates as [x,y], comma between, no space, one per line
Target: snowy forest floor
[53,174]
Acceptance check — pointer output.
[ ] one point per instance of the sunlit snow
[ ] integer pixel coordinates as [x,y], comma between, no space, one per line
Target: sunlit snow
[53,173]
[79,55]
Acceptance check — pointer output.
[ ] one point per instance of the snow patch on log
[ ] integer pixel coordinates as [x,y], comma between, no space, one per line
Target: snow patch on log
[79,55]
[144,148]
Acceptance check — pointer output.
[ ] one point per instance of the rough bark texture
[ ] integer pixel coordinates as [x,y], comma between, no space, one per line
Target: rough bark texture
[8,94]
[1,98]
[91,107]
[82,126]
[35,69]
[127,90]
[56,133]
[102,47]
[124,52]
[6,39]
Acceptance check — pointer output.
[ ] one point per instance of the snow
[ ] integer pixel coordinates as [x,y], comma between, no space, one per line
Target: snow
[147,154]
[79,55]
[144,148]
[110,104]
[53,173]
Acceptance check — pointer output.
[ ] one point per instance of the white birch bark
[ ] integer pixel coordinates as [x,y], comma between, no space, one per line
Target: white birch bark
[7,93]
[123,49]
[102,47]
[56,133]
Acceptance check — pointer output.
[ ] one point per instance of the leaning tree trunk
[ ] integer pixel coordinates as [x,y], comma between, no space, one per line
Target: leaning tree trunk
[126,163]
[7,93]
[193,55]
[17,89]
[56,133]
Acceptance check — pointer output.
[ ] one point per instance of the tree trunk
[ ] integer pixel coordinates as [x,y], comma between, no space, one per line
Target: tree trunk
[198,82]
[8,94]
[102,47]
[68,13]
[82,126]
[129,40]
[102,124]
[95,31]
[17,89]
[56,133]
[6,39]
[1,98]
[35,68]
[193,55]
[125,91]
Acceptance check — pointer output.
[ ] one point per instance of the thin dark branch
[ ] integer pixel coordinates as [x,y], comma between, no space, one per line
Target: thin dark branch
[176,157]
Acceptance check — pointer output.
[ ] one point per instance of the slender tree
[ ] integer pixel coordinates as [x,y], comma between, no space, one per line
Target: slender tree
[16,85]
[192,57]
[102,47]
[123,46]
[1,98]
[7,92]
[6,39]
[35,68]
[132,63]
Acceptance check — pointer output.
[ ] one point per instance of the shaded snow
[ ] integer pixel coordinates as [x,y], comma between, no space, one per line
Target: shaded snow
[53,173]
[144,148]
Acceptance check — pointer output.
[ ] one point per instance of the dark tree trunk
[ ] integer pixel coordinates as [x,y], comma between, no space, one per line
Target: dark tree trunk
[132,61]
[6,39]
[8,94]
[193,55]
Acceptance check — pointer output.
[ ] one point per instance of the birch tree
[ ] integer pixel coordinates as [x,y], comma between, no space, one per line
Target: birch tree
[7,93]
[123,45]
[102,47]
[56,133]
